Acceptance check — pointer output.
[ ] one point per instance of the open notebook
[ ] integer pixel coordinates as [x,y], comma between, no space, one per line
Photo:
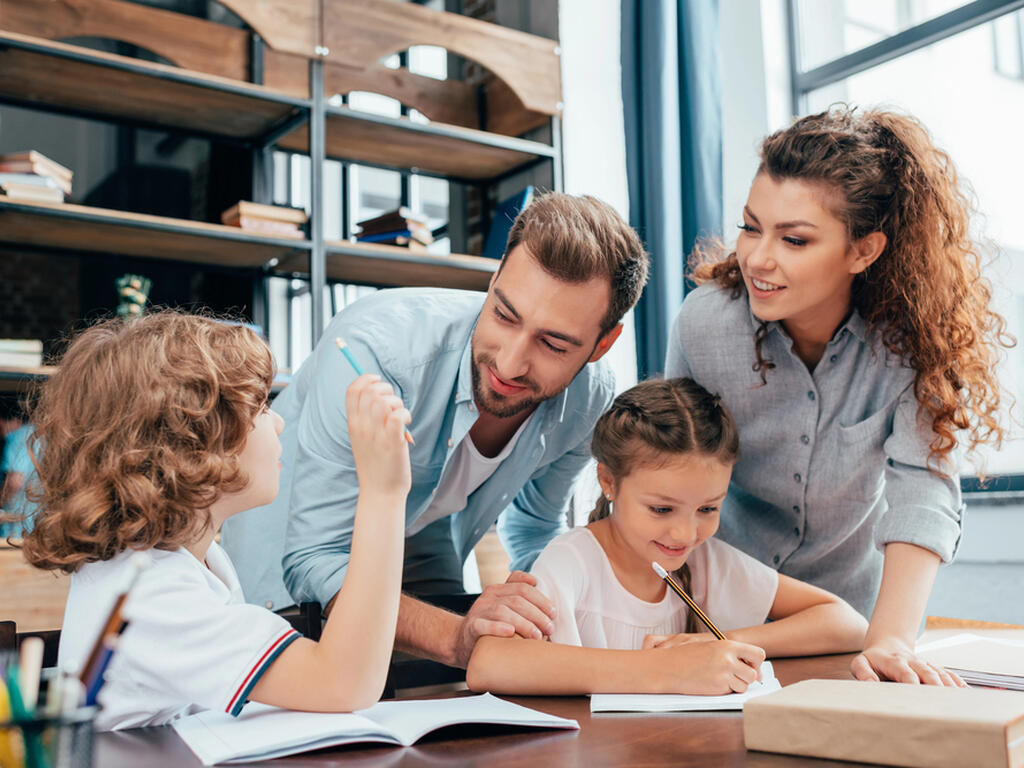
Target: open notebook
[262,732]
[988,661]
[665,702]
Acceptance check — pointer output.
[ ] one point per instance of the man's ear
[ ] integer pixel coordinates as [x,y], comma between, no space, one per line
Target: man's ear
[867,250]
[605,343]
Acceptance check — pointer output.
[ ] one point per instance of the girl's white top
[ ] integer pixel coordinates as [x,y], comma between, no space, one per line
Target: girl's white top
[596,611]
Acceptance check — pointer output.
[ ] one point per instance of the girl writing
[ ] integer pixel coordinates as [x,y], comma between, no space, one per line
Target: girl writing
[665,452]
[151,434]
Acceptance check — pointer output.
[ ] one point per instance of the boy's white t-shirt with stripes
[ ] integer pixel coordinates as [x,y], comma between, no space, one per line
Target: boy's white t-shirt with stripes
[192,642]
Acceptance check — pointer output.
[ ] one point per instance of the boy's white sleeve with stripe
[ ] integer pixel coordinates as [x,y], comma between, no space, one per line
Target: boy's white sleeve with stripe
[185,641]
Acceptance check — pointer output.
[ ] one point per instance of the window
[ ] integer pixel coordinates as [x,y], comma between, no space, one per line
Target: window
[352,193]
[958,68]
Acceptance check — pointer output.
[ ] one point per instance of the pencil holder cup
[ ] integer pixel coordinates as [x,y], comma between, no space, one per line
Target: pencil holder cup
[65,741]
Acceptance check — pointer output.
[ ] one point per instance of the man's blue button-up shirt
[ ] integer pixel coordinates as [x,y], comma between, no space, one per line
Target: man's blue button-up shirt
[418,339]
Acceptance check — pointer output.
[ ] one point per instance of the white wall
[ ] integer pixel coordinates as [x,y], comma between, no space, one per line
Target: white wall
[593,138]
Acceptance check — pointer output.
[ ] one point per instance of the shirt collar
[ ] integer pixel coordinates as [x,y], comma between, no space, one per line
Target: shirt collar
[464,390]
[854,324]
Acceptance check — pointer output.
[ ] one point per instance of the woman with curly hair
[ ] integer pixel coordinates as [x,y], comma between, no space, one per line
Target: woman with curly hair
[151,434]
[850,334]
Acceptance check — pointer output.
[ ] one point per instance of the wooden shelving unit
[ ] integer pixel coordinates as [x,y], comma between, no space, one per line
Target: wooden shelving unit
[43,74]
[65,226]
[435,148]
[207,97]
[387,265]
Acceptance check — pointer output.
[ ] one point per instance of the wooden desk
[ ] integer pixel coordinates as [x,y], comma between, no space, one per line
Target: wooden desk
[677,739]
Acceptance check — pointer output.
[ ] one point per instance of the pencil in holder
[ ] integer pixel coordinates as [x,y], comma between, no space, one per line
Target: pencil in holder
[49,739]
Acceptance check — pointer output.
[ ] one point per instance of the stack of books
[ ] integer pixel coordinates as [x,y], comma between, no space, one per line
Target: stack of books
[277,220]
[21,353]
[34,177]
[399,227]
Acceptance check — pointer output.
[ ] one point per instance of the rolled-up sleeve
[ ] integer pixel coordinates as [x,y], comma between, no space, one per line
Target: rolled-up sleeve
[924,503]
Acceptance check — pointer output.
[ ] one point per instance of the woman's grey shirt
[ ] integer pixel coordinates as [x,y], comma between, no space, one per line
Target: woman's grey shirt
[833,463]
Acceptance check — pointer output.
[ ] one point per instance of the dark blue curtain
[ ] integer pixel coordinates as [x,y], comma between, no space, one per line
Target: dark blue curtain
[673,118]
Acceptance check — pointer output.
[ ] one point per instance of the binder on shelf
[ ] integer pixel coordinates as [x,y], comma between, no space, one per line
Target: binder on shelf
[501,224]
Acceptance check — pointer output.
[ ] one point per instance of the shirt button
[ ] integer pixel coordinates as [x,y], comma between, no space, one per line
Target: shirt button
[775,559]
[471,407]
[269,604]
[796,531]
[450,442]
[810,395]
[805,439]
[833,358]
[796,510]
[797,477]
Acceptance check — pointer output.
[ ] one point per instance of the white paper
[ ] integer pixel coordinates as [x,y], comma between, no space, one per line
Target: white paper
[988,661]
[262,732]
[657,702]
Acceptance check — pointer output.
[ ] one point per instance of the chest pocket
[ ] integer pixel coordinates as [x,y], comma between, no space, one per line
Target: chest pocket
[860,446]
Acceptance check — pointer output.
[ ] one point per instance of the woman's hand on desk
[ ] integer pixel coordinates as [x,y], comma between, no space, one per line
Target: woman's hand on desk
[892,659]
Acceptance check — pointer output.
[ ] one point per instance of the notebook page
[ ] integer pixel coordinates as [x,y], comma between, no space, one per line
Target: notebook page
[262,732]
[409,721]
[657,702]
[994,656]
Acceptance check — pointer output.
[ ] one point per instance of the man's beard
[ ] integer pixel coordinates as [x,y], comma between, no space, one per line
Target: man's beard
[495,403]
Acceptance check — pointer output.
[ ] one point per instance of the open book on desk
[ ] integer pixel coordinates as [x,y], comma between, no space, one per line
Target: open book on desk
[262,732]
[668,702]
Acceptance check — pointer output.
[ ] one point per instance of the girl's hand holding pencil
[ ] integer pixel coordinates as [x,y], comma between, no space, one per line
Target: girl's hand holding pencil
[376,425]
[712,669]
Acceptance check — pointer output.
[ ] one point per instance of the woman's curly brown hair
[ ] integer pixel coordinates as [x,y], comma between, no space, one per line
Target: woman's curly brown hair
[925,294]
[138,433]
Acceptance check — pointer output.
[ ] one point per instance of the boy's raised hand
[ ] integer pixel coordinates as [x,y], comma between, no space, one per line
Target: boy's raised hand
[376,427]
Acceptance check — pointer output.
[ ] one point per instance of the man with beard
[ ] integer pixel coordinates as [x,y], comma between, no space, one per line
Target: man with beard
[504,389]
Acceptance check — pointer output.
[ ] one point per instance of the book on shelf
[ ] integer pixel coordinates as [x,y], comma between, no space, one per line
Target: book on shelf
[250,210]
[390,221]
[21,353]
[33,193]
[33,162]
[398,237]
[32,179]
[504,216]
[889,723]
[262,732]
[267,226]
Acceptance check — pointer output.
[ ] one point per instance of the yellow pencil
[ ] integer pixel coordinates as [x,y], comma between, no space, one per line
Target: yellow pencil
[689,601]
